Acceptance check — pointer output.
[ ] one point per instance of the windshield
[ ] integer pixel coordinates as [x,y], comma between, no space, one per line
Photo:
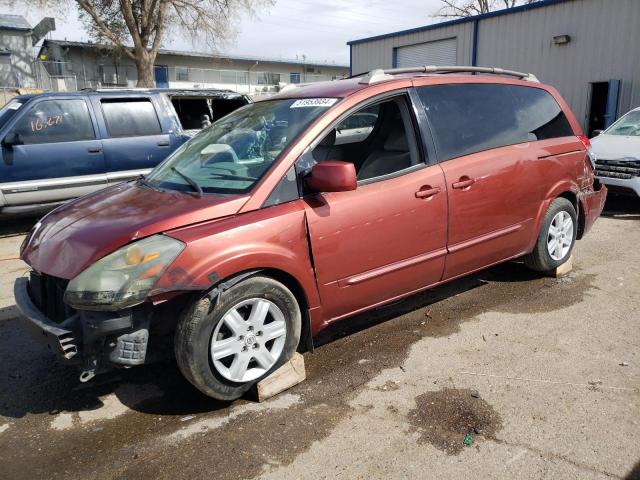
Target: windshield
[627,125]
[234,153]
[8,111]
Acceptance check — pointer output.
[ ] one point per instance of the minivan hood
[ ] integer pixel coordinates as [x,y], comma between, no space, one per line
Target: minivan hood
[616,147]
[74,236]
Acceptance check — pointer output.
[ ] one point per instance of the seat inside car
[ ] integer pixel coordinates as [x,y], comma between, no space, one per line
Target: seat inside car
[394,155]
[388,148]
[327,149]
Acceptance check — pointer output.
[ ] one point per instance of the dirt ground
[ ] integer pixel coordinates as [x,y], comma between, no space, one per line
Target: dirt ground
[504,374]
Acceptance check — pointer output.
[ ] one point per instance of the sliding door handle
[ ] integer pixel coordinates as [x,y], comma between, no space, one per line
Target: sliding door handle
[464,182]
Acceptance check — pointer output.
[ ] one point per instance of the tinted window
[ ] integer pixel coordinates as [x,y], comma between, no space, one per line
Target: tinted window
[130,118]
[8,111]
[469,118]
[52,121]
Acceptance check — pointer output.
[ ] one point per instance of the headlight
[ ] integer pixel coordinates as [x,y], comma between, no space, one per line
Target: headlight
[125,277]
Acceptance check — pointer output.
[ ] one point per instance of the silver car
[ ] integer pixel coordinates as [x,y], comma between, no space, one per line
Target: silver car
[617,155]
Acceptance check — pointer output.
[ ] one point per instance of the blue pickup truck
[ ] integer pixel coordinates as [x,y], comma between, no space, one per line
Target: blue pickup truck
[58,146]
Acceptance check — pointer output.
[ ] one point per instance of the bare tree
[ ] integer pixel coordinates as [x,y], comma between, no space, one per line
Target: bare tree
[137,28]
[468,8]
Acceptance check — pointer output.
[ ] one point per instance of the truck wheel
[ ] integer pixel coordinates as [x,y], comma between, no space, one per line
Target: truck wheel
[252,330]
[557,237]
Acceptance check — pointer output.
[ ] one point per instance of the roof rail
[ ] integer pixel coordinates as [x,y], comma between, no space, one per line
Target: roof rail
[380,75]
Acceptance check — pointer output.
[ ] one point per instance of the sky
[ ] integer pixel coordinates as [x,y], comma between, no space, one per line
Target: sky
[318,29]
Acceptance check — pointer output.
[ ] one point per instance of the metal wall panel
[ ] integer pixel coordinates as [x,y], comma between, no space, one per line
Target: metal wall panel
[439,52]
[605,45]
[379,53]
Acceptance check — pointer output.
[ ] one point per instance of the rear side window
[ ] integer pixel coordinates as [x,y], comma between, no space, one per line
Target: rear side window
[468,118]
[53,121]
[130,118]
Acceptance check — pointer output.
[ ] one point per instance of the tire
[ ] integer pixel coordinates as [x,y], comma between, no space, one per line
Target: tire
[542,259]
[237,337]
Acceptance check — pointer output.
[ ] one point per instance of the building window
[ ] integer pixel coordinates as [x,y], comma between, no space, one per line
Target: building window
[294,77]
[268,78]
[228,76]
[182,74]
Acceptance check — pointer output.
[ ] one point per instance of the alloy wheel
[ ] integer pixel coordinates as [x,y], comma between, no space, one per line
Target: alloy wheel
[560,236]
[248,340]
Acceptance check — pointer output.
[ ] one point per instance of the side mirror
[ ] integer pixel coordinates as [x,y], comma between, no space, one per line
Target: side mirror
[11,139]
[597,132]
[332,176]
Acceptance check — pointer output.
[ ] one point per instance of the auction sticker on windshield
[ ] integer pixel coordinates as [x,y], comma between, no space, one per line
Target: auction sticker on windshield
[313,102]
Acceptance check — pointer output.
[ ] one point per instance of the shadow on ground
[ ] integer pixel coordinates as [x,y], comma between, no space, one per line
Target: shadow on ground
[622,207]
[634,474]
[33,381]
[16,226]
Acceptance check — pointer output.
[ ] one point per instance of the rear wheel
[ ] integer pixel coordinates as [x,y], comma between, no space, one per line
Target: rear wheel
[557,237]
[253,329]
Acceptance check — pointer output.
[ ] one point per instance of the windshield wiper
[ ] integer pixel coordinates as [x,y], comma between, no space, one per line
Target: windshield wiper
[226,176]
[143,181]
[190,181]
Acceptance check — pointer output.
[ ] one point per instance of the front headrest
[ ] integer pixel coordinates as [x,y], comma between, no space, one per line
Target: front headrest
[397,141]
[329,140]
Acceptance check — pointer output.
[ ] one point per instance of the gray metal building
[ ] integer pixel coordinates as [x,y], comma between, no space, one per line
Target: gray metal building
[588,49]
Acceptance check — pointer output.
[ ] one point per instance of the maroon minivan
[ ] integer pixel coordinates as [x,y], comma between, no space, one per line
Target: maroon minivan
[303,209]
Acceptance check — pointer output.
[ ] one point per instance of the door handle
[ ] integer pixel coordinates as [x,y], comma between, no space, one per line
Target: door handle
[163,143]
[427,192]
[464,182]
[94,150]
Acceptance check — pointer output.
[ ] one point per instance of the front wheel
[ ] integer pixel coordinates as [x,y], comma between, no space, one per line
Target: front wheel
[252,330]
[556,239]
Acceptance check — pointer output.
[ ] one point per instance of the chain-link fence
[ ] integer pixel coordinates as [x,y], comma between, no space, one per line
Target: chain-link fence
[66,77]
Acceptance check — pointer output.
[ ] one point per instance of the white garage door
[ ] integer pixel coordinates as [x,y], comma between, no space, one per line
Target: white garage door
[440,52]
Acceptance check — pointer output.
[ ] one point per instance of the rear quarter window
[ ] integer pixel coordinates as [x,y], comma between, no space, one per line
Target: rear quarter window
[468,118]
[130,117]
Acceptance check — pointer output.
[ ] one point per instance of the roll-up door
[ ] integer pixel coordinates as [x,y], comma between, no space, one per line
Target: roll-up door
[440,52]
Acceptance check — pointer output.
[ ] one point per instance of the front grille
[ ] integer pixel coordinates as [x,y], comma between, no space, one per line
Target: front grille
[47,292]
[624,169]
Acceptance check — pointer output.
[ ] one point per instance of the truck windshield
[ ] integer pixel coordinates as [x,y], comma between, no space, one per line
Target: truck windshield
[627,125]
[8,111]
[234,153]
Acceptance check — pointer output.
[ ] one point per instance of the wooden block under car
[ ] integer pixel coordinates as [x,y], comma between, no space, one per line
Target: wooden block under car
[288,375]
[563,269]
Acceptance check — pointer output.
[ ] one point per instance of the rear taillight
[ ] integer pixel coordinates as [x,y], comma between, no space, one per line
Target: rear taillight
[585,141]
[590,158]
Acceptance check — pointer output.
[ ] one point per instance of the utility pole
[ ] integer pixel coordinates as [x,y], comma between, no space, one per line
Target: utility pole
[304,68]
[249,77]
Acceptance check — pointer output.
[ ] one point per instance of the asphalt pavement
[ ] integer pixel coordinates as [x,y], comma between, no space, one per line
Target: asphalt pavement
[504,374]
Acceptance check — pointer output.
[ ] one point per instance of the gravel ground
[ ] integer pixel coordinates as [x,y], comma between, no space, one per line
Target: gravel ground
[541,376]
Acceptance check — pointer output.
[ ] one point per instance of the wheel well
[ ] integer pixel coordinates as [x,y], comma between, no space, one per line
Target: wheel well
[306,342]
[574,201]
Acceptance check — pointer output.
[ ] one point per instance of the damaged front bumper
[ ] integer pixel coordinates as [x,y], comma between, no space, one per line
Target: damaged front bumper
[95,341]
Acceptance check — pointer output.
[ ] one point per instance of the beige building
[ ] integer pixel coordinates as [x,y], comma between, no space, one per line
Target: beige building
[66,65]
